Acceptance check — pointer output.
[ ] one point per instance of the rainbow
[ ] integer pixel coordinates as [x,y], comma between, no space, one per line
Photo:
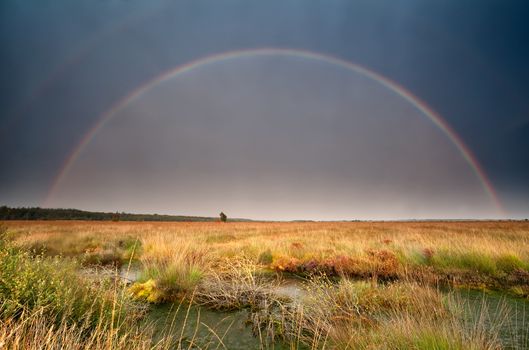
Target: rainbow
[225,56]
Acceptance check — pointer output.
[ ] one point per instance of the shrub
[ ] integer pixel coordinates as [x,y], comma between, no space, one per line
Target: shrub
[428,255]
[382,264]
[52,286]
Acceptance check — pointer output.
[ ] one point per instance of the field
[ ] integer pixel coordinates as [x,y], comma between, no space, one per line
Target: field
[357,285]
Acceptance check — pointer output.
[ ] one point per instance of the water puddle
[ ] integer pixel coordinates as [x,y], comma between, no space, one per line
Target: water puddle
[503,315]
[129,274]
[125,274]
[292,289]
[199,327]
[205,329]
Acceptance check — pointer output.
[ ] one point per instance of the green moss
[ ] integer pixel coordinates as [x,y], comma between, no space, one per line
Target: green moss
[169,282]
[148,291]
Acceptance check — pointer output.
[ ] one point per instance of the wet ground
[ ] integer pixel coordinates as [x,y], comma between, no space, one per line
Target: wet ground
[502,315]
[206,329]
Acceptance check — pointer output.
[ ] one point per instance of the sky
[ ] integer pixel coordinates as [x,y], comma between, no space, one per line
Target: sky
[278,110]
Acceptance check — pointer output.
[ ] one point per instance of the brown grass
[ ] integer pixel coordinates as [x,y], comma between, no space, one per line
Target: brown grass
[497,252]
[236,265]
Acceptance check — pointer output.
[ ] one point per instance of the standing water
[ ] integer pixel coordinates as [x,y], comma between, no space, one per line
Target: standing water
[499,314]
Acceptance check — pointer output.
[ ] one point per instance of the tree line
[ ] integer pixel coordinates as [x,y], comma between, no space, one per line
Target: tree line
[37,213]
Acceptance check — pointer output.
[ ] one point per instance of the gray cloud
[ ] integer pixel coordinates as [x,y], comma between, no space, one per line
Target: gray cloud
[64,63]
[279,138]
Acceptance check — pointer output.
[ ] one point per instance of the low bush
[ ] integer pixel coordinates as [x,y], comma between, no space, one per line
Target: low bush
[381,264]
[52,286]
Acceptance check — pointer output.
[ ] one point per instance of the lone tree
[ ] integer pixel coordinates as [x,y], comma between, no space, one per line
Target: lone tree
[223,217]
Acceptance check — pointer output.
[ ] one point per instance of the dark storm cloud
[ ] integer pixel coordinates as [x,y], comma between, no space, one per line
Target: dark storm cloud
[466,59]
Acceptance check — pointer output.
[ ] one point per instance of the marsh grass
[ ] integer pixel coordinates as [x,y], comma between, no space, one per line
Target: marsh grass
[369,285]
[171,283]
[491,249]
[171,276]
[470,260]
[359,315]
[238,285]
[53,287]
[45,304]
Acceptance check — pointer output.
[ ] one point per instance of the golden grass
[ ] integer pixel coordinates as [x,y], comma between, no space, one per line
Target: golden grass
[340,237]
[320,239]
[490,248]
[237,265]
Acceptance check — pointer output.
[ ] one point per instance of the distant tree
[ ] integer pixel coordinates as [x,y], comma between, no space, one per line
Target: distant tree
[223,217]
